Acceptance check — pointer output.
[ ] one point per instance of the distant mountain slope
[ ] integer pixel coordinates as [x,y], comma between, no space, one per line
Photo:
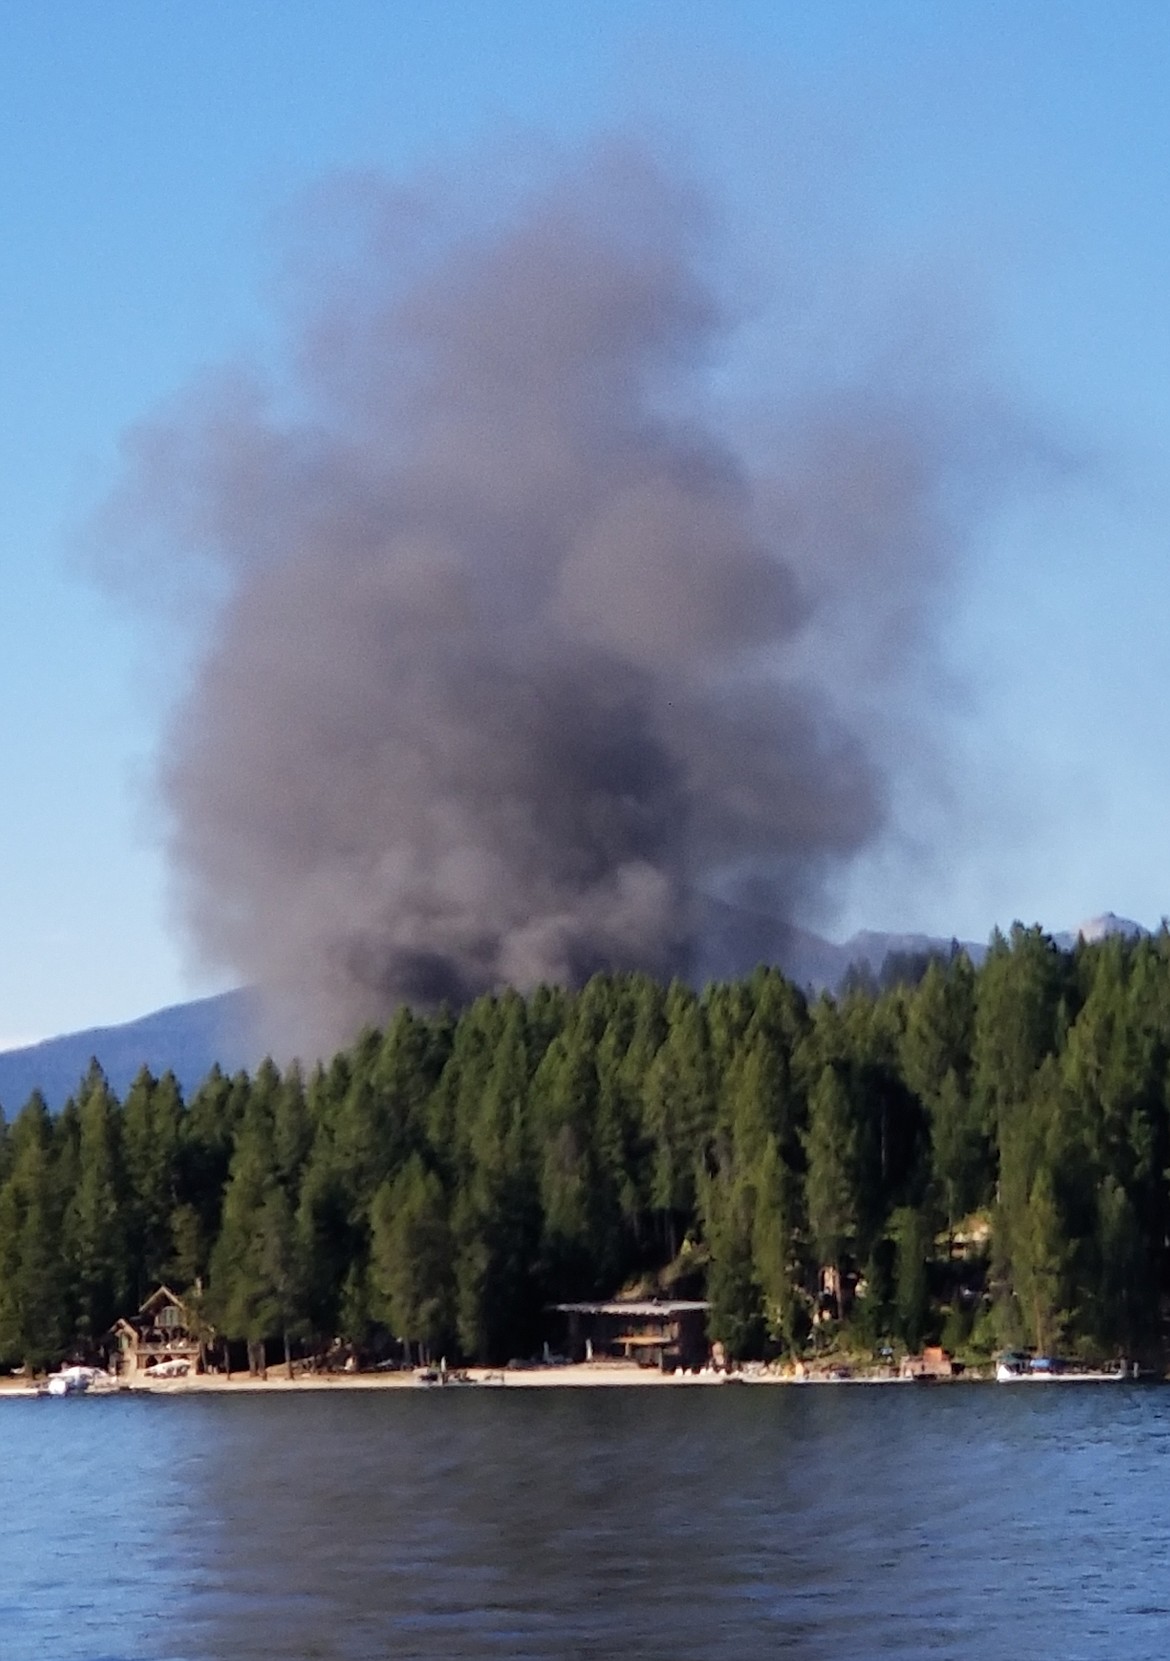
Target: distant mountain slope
[737,938]
[872,949]
[820,963]
[1098,928]
[188,1038]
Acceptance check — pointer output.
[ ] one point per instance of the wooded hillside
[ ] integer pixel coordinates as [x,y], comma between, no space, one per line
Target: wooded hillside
[446,1178]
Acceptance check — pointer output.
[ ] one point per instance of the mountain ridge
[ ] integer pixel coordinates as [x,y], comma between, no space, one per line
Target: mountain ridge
[188,1039]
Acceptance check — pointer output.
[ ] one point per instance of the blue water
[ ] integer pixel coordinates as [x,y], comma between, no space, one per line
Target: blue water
[691,1523]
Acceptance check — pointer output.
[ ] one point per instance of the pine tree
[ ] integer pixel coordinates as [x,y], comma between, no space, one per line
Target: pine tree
[679,1112]
[496,1215]
[411,1259]
[581,1247]
[94,1228]
[33,1319]
[913,1246]
[1020,1012]
[257,1278]
[775,1247]
[151,1121]
[832,1183]
[1032,1242]
[207,1136]
[736,1319]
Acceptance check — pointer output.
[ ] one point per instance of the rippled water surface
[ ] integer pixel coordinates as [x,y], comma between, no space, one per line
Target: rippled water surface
[835,1523]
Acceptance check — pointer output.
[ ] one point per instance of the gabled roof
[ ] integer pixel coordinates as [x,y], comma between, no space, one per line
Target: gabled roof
[159,1299]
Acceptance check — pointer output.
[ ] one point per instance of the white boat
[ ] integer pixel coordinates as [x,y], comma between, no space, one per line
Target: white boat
[175,1367]
[72,1381]
[1017,1368]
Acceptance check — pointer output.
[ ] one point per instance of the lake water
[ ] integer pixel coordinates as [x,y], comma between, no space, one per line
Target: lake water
[688,1523]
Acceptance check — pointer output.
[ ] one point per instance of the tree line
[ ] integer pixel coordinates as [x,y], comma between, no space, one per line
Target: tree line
[973,1155]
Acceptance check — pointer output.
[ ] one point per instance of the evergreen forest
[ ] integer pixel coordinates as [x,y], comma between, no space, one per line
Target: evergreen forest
[973,1156]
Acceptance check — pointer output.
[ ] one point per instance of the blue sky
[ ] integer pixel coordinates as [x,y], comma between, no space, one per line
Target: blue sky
[1013,158]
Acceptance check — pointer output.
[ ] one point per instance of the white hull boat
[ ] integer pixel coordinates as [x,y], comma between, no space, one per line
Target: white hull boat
[1012,1371]
[72,1381]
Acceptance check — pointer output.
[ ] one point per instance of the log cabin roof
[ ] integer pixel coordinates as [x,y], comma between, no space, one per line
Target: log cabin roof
[146,1318]
[645,1308]
[159,1298]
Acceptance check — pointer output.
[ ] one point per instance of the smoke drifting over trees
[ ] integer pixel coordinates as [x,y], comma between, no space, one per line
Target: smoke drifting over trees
[519,661]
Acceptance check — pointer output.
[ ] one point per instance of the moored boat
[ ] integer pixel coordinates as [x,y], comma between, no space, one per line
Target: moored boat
[72,1381]
[1017,1367]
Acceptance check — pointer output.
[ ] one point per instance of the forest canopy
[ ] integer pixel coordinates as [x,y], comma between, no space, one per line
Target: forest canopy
[980,1156]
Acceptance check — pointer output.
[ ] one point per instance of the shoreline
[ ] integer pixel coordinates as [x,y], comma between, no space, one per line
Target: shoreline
[586,1375]
[574,1375]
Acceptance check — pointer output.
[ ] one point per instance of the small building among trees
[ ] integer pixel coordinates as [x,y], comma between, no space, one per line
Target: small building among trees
[654,1333]
[162,1334]
[934,1362]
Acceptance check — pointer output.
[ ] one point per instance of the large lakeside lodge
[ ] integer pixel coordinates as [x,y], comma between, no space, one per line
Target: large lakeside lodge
[669,1334]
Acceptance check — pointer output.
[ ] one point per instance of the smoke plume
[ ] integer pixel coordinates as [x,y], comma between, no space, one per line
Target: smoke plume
[521,664]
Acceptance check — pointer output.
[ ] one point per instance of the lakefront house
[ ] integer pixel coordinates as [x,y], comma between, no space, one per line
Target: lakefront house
[160,1340]
[664,1333]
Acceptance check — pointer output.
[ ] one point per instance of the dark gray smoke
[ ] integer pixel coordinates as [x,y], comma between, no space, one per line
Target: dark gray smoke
[518,660]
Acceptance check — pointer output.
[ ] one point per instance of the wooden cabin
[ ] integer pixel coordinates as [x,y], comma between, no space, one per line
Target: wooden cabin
[934,1362]
[161,1338]
[653,1332]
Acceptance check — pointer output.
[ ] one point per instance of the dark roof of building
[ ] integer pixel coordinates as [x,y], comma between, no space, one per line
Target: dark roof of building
[633,1306]
[159,1299]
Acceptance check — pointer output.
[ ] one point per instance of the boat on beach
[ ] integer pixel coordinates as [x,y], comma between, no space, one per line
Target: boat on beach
[72,1381]
[1017,1367]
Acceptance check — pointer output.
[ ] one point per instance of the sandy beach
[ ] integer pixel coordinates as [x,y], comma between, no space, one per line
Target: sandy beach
[586,1375]
[583,1375]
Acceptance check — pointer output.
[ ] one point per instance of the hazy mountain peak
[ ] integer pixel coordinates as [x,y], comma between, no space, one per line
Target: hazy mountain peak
[1096,928]
[186,1039]
[1100,928]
